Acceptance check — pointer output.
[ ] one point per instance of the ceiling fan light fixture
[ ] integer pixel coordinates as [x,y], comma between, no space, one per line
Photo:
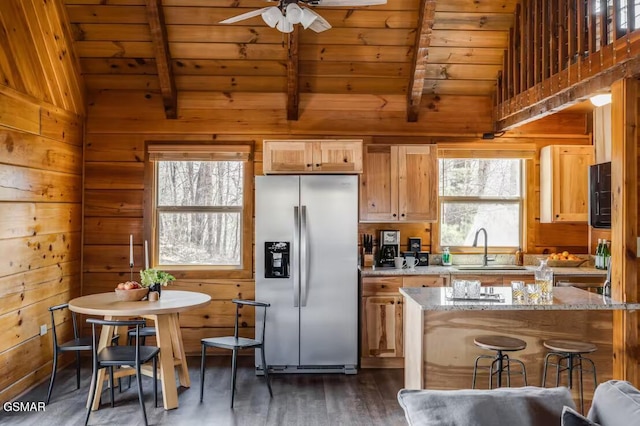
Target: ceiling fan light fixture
[284,26]
[307,17]
[272,16]
[293,13]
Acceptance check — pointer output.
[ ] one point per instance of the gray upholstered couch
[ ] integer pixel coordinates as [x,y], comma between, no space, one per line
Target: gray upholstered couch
[615,403]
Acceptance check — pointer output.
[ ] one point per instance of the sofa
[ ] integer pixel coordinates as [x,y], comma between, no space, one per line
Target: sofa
[615,403]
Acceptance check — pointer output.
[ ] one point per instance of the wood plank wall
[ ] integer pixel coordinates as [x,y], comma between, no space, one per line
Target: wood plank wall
[41,107]
[119,122]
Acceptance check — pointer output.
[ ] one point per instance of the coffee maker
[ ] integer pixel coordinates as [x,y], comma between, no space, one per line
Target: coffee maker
[389,247]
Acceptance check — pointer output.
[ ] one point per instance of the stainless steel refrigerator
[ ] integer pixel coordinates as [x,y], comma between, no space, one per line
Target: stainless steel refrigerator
[306,267]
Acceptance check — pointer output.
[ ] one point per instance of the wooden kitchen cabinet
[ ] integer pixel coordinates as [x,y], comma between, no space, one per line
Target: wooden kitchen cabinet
[399,184]
[426,281]
[564,183]
[312,156]
[382,331]
[381,322]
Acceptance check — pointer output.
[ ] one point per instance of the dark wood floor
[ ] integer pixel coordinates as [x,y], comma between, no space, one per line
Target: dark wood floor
[368,398]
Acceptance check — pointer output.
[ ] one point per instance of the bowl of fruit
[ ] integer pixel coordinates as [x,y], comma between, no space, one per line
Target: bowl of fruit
[565,259]
[131,291]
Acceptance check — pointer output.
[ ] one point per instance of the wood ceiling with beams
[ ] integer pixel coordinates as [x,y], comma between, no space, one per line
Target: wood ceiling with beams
[406,47]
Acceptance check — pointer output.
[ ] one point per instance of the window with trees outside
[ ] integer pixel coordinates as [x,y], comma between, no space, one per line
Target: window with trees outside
[199,210]
[480,193]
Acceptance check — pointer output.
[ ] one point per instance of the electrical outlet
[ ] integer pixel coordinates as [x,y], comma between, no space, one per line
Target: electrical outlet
[43,329]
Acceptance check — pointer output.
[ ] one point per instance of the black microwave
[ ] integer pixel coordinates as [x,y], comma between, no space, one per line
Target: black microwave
[600,195]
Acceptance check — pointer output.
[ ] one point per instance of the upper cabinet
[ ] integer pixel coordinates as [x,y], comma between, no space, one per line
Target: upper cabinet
[400,183]
[564,183]
[312,156]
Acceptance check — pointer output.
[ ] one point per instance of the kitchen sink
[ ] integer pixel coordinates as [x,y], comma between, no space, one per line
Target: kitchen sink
[489,267]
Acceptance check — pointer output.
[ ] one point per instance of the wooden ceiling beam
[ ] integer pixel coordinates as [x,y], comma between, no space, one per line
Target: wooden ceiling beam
[155,16]
[420,58]
[293,81]
[570,95]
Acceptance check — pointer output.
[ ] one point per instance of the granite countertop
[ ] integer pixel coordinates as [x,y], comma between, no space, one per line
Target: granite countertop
[439,270]
[564,298]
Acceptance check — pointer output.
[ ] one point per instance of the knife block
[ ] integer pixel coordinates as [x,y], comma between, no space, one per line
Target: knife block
[368,260]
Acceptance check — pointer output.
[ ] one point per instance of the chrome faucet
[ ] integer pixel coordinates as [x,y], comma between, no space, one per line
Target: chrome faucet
[485,258]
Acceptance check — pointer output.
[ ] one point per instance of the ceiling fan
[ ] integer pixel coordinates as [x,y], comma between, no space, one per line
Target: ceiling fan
[290,12]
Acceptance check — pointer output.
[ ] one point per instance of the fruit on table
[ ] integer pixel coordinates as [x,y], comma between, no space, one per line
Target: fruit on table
[129,285]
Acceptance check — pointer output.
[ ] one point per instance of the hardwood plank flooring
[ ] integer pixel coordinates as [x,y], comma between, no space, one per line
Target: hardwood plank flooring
[367,398]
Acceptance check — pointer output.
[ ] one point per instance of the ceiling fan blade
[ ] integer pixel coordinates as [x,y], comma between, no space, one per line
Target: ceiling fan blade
[320,24]
[342,3]
[244,16]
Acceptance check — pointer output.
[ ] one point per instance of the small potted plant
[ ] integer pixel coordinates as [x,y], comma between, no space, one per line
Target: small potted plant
[155,279]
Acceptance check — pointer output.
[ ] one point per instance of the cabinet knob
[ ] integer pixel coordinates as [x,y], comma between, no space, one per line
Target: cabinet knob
[308,165]
[402,215]
[345,160]
[557,215]
[394,215]
[317,164]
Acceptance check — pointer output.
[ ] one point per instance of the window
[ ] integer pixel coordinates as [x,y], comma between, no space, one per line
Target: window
[480,193]
[200,201]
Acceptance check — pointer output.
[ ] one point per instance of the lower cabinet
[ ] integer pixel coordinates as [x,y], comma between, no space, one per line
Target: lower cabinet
[381,317]
[382,331]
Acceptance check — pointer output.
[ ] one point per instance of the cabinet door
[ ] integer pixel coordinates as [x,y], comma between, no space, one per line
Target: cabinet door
[564,183]
[379,184]
[377,286]
[333,156]
[571,183]
[382,326]
[287,157]
[425,281]
[418,183]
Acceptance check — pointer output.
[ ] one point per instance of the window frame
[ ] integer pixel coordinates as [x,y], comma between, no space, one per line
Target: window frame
[205,151]
[520,200]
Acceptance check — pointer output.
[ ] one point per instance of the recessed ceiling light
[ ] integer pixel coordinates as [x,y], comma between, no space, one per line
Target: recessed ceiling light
[601,99]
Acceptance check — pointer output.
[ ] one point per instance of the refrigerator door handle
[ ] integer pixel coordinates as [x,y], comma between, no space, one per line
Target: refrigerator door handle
[304,256]
[296,257]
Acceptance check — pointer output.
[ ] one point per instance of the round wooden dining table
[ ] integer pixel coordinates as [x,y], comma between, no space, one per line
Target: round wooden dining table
[164,312]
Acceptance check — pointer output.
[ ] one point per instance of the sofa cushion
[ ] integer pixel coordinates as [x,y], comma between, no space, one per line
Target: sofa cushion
[615,402]
[571,417]
[527,406]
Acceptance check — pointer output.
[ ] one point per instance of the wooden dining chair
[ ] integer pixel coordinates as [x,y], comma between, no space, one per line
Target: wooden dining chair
[117,356]
[235,343]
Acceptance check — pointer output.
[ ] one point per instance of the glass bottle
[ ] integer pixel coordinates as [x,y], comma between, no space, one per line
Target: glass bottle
[446,257]
[519,257]
[544,278]
[605,254]
[598,263]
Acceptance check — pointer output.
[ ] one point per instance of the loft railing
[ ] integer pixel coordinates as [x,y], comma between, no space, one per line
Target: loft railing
[555,44]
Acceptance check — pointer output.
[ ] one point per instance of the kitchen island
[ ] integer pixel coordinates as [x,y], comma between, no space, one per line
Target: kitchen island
[439,352]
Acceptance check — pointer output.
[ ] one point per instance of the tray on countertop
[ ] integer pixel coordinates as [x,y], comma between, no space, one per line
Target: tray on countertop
[484,297]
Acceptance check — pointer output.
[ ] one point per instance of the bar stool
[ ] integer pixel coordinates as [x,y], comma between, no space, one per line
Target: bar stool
[571,351]
[500,344]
